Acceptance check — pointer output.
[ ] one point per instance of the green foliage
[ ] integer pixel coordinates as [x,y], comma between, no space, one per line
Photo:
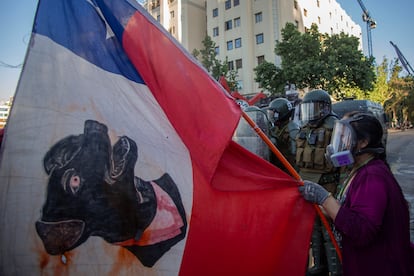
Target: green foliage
[270,78]
[208,58]
[381,92]
[345,66]
[394,92]
[314,60]
[401,101]
[300,55]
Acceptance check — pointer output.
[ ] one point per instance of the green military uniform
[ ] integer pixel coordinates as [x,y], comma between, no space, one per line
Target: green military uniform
[283,131]
[310,158]
[311,142]
[284,138]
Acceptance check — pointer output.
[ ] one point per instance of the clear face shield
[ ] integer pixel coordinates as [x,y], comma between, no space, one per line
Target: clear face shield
[343,141]
[313,111]
[273,115]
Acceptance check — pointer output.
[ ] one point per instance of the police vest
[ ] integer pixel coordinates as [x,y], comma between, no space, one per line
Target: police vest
[285,136]
[282,139]
[311,144]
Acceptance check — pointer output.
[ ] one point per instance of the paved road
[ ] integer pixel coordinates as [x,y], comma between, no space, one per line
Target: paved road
[400,156]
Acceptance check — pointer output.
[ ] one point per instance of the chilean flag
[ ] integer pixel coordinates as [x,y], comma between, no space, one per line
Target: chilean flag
[117,159]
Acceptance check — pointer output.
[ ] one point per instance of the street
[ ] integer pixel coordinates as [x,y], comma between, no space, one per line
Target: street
[400,156]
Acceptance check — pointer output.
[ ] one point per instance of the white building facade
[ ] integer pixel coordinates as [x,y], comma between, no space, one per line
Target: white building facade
[185,20]
[5,111]
[245,31]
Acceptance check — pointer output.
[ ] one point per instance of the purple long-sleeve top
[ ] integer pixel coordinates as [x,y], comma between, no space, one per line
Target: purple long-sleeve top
[374,223]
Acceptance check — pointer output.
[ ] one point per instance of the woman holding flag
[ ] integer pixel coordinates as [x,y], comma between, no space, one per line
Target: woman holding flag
[370,214]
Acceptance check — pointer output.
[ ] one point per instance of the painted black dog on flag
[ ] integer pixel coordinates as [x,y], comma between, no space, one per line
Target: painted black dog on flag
[92,191]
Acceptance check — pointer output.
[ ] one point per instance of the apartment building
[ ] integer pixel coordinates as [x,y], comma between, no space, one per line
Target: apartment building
[246,31]
[4,112]
[185,20]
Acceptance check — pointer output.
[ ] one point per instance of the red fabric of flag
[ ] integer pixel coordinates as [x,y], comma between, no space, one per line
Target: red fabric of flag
[247,217]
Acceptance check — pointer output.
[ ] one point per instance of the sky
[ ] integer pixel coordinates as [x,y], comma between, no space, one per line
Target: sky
[395,22]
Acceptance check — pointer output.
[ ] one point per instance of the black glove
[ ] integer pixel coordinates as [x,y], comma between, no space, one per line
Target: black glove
[313,192]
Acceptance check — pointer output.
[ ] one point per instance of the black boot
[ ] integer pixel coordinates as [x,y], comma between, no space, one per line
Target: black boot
[334,265]
[318,254]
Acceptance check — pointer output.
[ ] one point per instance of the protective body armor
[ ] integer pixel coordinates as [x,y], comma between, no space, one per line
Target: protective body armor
[284,138]
[313,166]
[311,144]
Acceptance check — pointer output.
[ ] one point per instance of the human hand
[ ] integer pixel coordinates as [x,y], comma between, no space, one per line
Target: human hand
[313,192]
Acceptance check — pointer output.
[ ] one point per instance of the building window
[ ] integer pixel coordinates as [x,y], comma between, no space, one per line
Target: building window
[228,25]
[305,12]
[258,17]
[155,4]
[217,50]
[239,63]
[295,4]
[259,38]
[227,4]
[215,12]
[215,31]
[319,19]
[172,14]
[296,24]
[236,22]
[230,65]
[230,45]
[172,30]
[260,60]
[236,2]
[158,18]
[237,43]
[318,3]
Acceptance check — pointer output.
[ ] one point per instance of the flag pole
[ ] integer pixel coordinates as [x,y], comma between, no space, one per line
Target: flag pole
[294,174]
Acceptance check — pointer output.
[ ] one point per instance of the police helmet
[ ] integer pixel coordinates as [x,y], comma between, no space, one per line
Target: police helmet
[279,110]
[315,106]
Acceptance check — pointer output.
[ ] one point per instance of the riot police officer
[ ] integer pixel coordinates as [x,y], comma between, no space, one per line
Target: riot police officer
[283,130]
[246,136]
[292,95]
[314,136]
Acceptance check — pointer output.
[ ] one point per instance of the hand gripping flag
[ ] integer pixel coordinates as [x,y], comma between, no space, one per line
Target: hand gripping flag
[117,159]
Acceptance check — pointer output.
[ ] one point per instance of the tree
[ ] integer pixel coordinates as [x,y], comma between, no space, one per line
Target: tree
[401,98]
[344,66]
[313,60]
[270,78]
[213,65]
[300,54]
[381,92]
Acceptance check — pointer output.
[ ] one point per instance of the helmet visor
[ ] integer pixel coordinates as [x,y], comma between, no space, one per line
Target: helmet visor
[312,111]
[273,115]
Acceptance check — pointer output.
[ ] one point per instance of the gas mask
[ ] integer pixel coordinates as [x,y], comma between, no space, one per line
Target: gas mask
[343,141]
[342,149]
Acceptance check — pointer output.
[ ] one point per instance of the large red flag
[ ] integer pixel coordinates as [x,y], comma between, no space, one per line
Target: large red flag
[118,159]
